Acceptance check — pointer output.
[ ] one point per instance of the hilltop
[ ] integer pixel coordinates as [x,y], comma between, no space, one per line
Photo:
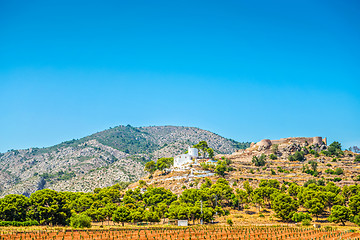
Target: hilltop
[305,154]
[101,159]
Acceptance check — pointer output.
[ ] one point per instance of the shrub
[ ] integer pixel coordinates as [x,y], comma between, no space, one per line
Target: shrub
[337,179]
[259,161]
[291,158]
[329,171]
[274,148]
[274,157]
[306,222]
[334,160]
[80,221]
[300,216]
[273,172]
[357,178]
[339,171]
[357,158]
[19,224]
[229,221]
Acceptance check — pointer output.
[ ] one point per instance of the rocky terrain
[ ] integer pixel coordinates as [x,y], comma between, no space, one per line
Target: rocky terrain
[101,159]
[280,169]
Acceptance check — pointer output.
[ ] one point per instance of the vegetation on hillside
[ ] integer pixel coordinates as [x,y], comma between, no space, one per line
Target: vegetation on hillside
[48,207]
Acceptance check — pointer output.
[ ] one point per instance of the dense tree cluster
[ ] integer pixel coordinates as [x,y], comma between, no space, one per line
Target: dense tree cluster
[151,204]
[161,164]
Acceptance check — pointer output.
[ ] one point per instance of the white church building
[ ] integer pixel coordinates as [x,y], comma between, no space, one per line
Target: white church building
[183,159]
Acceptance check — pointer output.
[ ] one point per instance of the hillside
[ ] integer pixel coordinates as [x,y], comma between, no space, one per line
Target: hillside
[281,169]
[101,159]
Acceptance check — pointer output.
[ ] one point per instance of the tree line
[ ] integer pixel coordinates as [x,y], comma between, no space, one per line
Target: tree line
[153,204]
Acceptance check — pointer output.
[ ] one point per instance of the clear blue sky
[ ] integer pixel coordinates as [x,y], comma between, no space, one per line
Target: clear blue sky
[246,70]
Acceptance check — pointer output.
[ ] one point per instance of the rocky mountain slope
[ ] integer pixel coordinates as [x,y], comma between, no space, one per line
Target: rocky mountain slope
[101,159]
[279,167]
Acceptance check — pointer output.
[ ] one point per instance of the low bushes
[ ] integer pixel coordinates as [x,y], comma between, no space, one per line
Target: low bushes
[80,221]
[19,224]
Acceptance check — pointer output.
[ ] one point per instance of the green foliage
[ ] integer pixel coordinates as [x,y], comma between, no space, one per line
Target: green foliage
[356,220]
[339,214]
[300,216]
[59,176]
[334,149]
[210,152]
[306,222]
[19,224]
[357,158]
[14,207]
[284,206]
[298,156]
[204,148]
[230,222]
[240,145]
[122,214]
[223,166]
[315,206]
[49,207]
[164,163]
[339,171]
[272,156]
[259,161]
[337,179]
[313,165]
[150,167]
[80,221]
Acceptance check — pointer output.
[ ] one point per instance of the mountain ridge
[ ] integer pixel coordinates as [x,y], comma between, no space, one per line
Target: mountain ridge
[100,159]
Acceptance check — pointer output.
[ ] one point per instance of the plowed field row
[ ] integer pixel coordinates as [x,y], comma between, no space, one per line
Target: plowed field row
[229,233]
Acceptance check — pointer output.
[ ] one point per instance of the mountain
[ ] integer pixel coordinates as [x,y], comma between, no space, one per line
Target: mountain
[102,159]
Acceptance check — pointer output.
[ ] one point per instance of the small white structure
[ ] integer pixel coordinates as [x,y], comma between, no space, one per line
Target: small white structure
[183,223]
[183,159]
[193,152]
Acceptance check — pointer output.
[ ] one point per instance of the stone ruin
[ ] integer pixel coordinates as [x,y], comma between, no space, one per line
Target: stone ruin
[291,144]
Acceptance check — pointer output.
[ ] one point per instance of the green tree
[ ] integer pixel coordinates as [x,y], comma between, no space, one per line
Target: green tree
[150,167]
[121,214]
[221,168]
[247,187]
[164,163]
[284,206]
[202,146]
[315,206]
[14,207]
[339,214]
[49,207]
[354,204]
[313,165]
[210,152]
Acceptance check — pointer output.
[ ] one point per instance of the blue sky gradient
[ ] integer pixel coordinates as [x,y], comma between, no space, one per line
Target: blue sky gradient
[246,70]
